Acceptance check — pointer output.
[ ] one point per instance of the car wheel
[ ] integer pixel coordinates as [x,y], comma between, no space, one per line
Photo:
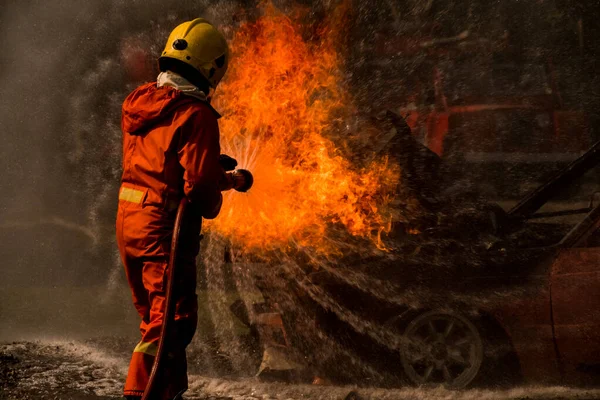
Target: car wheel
[441,349]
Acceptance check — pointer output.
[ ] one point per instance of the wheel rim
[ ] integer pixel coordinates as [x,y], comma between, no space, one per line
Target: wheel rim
[442,348]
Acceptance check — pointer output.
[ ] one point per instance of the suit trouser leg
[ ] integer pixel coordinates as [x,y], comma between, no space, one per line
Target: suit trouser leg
[147,277]
[154,283]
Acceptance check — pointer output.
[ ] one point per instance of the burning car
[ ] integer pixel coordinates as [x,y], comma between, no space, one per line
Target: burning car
[457,293]
[466,305]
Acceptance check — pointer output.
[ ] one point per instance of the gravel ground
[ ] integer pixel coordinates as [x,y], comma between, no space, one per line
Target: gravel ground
[85,371]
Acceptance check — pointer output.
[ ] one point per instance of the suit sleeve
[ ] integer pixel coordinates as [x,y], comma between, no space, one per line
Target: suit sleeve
[198,153]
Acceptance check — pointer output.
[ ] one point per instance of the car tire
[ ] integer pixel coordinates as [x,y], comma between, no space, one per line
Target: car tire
[441,348]
[449,349]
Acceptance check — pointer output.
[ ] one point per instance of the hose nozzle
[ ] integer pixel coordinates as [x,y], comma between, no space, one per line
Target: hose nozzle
[241,180]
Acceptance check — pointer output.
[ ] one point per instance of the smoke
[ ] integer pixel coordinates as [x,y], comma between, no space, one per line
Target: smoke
[66,67]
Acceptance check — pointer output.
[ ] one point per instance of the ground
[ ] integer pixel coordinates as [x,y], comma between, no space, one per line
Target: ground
[54,369]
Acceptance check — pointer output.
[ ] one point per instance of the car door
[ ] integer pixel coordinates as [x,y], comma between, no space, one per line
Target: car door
[575,293]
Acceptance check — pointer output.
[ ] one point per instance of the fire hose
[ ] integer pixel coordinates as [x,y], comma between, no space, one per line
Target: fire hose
[240,180]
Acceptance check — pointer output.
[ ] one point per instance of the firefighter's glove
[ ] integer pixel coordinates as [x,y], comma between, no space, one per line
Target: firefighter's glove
[227,163]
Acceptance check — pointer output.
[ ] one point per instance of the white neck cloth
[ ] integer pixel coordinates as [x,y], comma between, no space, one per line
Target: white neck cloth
[178,82]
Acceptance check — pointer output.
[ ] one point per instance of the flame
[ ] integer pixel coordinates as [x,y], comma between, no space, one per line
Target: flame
[280,99]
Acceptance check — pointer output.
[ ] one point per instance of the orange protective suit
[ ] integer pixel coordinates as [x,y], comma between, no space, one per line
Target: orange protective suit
[170,149]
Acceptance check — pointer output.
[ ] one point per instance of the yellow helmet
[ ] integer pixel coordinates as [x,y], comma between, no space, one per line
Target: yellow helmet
[200,45]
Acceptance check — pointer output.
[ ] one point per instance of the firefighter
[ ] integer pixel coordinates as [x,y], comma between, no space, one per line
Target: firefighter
[170,150]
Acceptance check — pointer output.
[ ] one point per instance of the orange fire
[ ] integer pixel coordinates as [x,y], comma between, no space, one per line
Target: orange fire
[279,101]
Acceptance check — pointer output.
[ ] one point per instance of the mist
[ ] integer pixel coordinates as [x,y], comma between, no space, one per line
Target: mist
[67,66]
[64,77]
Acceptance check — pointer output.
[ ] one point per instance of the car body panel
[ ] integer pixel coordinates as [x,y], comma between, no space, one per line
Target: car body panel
[520,302]
[576,310]
[527,319]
